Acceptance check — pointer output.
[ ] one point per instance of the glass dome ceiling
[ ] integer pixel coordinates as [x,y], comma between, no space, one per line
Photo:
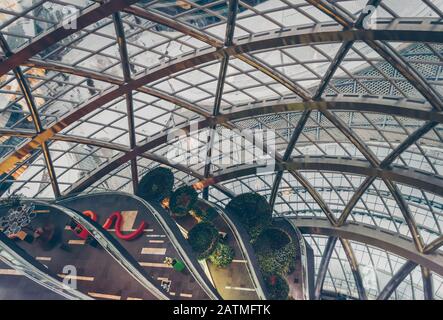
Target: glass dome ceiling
[353,90]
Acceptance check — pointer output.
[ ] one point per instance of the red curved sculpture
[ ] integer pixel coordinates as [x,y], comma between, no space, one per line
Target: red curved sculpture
[119,219]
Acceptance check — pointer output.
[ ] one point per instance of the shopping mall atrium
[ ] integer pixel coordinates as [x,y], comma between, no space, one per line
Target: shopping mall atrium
[221,149]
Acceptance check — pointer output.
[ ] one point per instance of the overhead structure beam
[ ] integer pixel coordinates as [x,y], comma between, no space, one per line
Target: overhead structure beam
[293,36]
[434,245]
[391,56]
[237,47]
[86,17]
[358,103]
[395,281]
[411,177]
[353,263]
[30,103]
[124,57]
[294,137]
[428,287]
[321,34]
[121,148]
[230,28]
[414,178]
[411,108]
[373,236]
[324,264]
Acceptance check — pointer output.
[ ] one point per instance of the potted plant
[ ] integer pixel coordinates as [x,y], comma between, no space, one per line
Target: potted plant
[253,211]
[182,200]
[203,239]
[275,251]
[222,255]
[156,184]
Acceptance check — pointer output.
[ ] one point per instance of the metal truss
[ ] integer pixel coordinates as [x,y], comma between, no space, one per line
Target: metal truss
[121,40]
[85,18]
[385,51]
[30,103]
[284,38]
[414,178]
[368,234]
[230,27]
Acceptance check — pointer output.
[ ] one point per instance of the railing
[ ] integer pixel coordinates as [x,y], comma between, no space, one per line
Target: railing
[113,247]
[173,237]
[18,259]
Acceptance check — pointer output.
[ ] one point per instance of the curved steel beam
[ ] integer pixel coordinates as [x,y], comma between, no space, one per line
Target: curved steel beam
[117,147]
[295,36]
[395,281]
[123,50]
[347,248]
[428,287]
[30,103]
[411,177]
[414,178]
[86,17]
[411,108]
[370,235]
[324,263]
[230,27]
[358,103]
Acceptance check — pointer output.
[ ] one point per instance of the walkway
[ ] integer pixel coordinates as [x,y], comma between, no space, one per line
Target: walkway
[16,286]
[234,282]
[150,249]
[97,274]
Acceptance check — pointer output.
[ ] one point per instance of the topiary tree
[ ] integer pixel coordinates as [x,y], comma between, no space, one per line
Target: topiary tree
[275,251]
[277,286]
[183,200]
[156,184]
[222,255]
[203,211]
[203,239]
[253,211]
